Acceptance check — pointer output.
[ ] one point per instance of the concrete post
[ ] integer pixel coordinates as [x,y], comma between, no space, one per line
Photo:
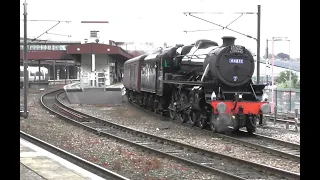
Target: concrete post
[39,70]
[296,120]
[54,72]
[58,73]
[93,69]
[65,72]
[107,73]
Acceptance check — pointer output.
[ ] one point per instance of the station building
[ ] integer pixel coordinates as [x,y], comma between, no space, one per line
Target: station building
[93,63]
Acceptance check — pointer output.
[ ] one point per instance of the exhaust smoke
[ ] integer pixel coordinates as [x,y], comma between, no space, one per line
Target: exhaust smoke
[223,123]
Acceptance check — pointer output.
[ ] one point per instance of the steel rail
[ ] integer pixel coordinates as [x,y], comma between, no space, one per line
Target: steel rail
[118,129]
[102,172]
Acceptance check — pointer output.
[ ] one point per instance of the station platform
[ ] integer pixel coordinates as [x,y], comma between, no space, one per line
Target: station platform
[78,94]
[77,87]
[37,163]
[63,81]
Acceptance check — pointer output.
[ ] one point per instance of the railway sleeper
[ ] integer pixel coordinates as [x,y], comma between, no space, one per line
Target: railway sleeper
[196,157]
[70,112]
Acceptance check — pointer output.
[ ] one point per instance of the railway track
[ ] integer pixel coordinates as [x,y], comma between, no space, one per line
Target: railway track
[282,121]
[266,144]
[104,173]
[223,165]
[274,146]
[286,122]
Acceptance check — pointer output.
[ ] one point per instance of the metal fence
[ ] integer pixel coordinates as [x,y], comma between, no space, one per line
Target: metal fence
[286,100]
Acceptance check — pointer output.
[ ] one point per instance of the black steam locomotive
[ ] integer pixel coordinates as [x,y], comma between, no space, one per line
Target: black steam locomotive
[203,83]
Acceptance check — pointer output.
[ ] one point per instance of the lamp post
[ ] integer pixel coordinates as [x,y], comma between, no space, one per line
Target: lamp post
[289,67]
[272,73]
[272,77]
[267,62]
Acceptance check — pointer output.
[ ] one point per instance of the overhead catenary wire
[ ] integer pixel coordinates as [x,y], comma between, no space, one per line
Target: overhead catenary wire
[47,20]
[46,32]
[224,27]
[234,20]
[58,34]
[215,29]
[220,12]
[202,30]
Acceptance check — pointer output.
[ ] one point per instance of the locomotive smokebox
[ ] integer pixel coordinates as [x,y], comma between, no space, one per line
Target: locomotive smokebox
[228,40]
[230,64]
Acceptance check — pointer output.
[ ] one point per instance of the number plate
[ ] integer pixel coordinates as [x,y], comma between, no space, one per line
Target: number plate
[235,61]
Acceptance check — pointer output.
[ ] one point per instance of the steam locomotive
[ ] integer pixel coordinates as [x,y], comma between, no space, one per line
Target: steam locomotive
[203,84]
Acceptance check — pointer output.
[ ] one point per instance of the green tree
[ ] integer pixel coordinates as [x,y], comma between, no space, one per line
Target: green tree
[270,56]
[283,79]
[298,84]
[283,56]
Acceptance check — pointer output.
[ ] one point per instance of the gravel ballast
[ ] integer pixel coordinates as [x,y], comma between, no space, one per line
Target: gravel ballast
[121,158]
[134,118]
[279,131]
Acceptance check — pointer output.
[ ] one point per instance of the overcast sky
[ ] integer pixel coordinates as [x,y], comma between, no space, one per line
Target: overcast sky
[162,21]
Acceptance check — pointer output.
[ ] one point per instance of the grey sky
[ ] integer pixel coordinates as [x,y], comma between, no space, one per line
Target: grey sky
[162,21]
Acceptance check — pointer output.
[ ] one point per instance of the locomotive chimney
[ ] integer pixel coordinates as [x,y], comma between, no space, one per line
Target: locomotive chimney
[228,40]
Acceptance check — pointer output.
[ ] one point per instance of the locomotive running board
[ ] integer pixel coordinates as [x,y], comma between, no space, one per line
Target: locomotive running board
[186,82]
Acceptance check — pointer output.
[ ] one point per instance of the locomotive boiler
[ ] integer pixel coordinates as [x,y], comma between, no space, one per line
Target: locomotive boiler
[202,83]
